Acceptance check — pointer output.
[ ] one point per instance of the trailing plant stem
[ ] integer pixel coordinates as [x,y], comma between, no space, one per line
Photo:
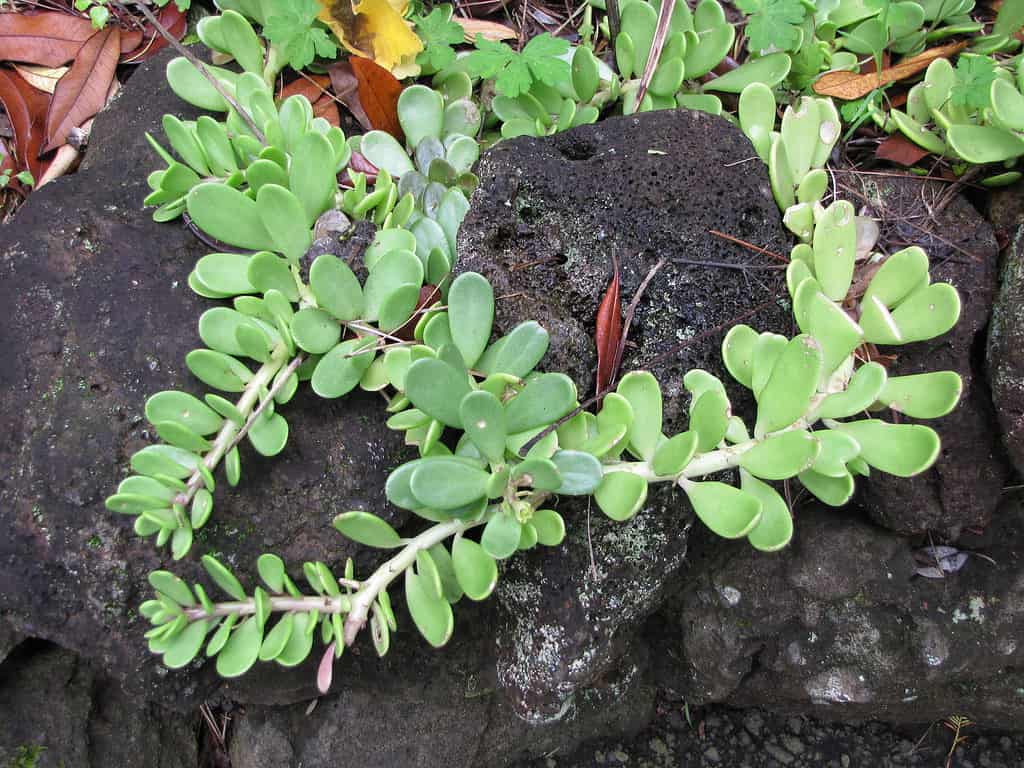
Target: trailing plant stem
[231,434]
[364,598]
[321,603]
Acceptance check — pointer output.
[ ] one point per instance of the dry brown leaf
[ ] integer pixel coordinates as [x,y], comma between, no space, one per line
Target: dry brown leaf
[26,108]
[50,39]
[64,160]
[345,85]
[327,108]
[310,86]
[82,92]
[378,94]
[489,30]
[43,78]
[850,85]
[897,148]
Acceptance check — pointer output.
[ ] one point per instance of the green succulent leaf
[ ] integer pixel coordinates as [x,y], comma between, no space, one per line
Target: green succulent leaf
[924,395]
[447,483]
[470,314]
[543,401]
[501,536]
[834,491]
[774,529]
[483,419]
[475,569]
[793,382]
[432,615]
[368,529]
[642,391]
[903,450]
[437,388]
[728,511]
[781,456]
[241,649]
[621,495]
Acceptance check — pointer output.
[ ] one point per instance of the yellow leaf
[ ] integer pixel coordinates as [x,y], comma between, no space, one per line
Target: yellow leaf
[377,30]
[43,78]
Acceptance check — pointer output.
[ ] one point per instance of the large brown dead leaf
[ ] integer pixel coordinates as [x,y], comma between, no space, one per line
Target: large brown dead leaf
[152,42]
[489,30]
[26,108]
[82,92]
[50,39]
[897,148]
[378,94]
[608,334]
[310,86]
[850,85]
[345,85]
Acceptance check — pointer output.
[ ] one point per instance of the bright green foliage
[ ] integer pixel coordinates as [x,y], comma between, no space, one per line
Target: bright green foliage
[439,33]
[773,23]
[514,72]
[974,76]
[291,27]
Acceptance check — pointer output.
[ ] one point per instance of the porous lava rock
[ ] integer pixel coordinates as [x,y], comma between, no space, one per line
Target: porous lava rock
[1006,351]
[544,227]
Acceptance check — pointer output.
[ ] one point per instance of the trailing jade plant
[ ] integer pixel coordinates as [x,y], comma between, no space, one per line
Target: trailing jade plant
[497,441]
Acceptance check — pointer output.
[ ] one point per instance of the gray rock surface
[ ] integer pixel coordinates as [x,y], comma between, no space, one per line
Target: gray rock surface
[1006,351]
[67,713]
[543,227]
[100,317]
[963,488]
[838,625]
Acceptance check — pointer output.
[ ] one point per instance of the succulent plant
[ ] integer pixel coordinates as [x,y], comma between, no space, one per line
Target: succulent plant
[980,121]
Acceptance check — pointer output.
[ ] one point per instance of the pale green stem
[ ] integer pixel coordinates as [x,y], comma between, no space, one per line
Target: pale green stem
[321,603]
[363,599]
[230,433]
[275,63]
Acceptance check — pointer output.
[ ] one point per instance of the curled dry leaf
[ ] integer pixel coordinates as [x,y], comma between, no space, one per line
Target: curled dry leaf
[82,92]
[850,85]
[346,88]
[897,148]
[43,78]
[65,158]
[151,42]
[327,108]
[50,39]
[378,94]
[375,29]
[310,86]
[489,30]
[608,332]
[26,108]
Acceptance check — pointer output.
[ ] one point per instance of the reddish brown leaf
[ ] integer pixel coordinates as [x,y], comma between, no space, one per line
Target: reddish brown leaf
[130,40]
[608,332]
[378,94]
[897,148]
[173,20]
[310,86]
[26,108]
[850,85]
[346,87]
[82,92]
[50,39]
[327,108]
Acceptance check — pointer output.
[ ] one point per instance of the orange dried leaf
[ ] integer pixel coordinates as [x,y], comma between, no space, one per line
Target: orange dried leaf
[310,86]
[378,94]
[899,149]
[489,30]
[377,30]
[82,92]
[850,85]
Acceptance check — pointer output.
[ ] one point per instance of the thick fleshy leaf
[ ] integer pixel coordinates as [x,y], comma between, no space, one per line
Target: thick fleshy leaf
[927,313]
[282,215]
[518,352]
[737,353]
[394,269]
[223,577]
[501,536]
[775,528]
[580,472]
[470,314]
[766,351]
[300,642]
[901,274]
[672,456]
[447,483]
[431,615]
[336,287]
[186,645]
[483,419]
[792,384]
[770,70]
[228,215]
[384,151]
[836,331]
[549,526]
[269,435]
[781,456]
[170,585]
[368,529]
[863,390]
[277,638]
[437,388]
[642,391]
[339,371]
[621,495]
[834,491]
[837,450]
[241,649]
[903,450]
[542,473]
[835,248]
[476,571]
[543,401]
[184,409]
[709,418]
[311,175]
[728,511]
[924,395]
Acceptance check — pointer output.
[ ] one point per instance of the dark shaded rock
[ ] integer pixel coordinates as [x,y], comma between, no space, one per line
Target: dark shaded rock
[68,714]
[838,626]
[547,220]
[100,317]
[1006,351]
[423,709]
[962,489]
